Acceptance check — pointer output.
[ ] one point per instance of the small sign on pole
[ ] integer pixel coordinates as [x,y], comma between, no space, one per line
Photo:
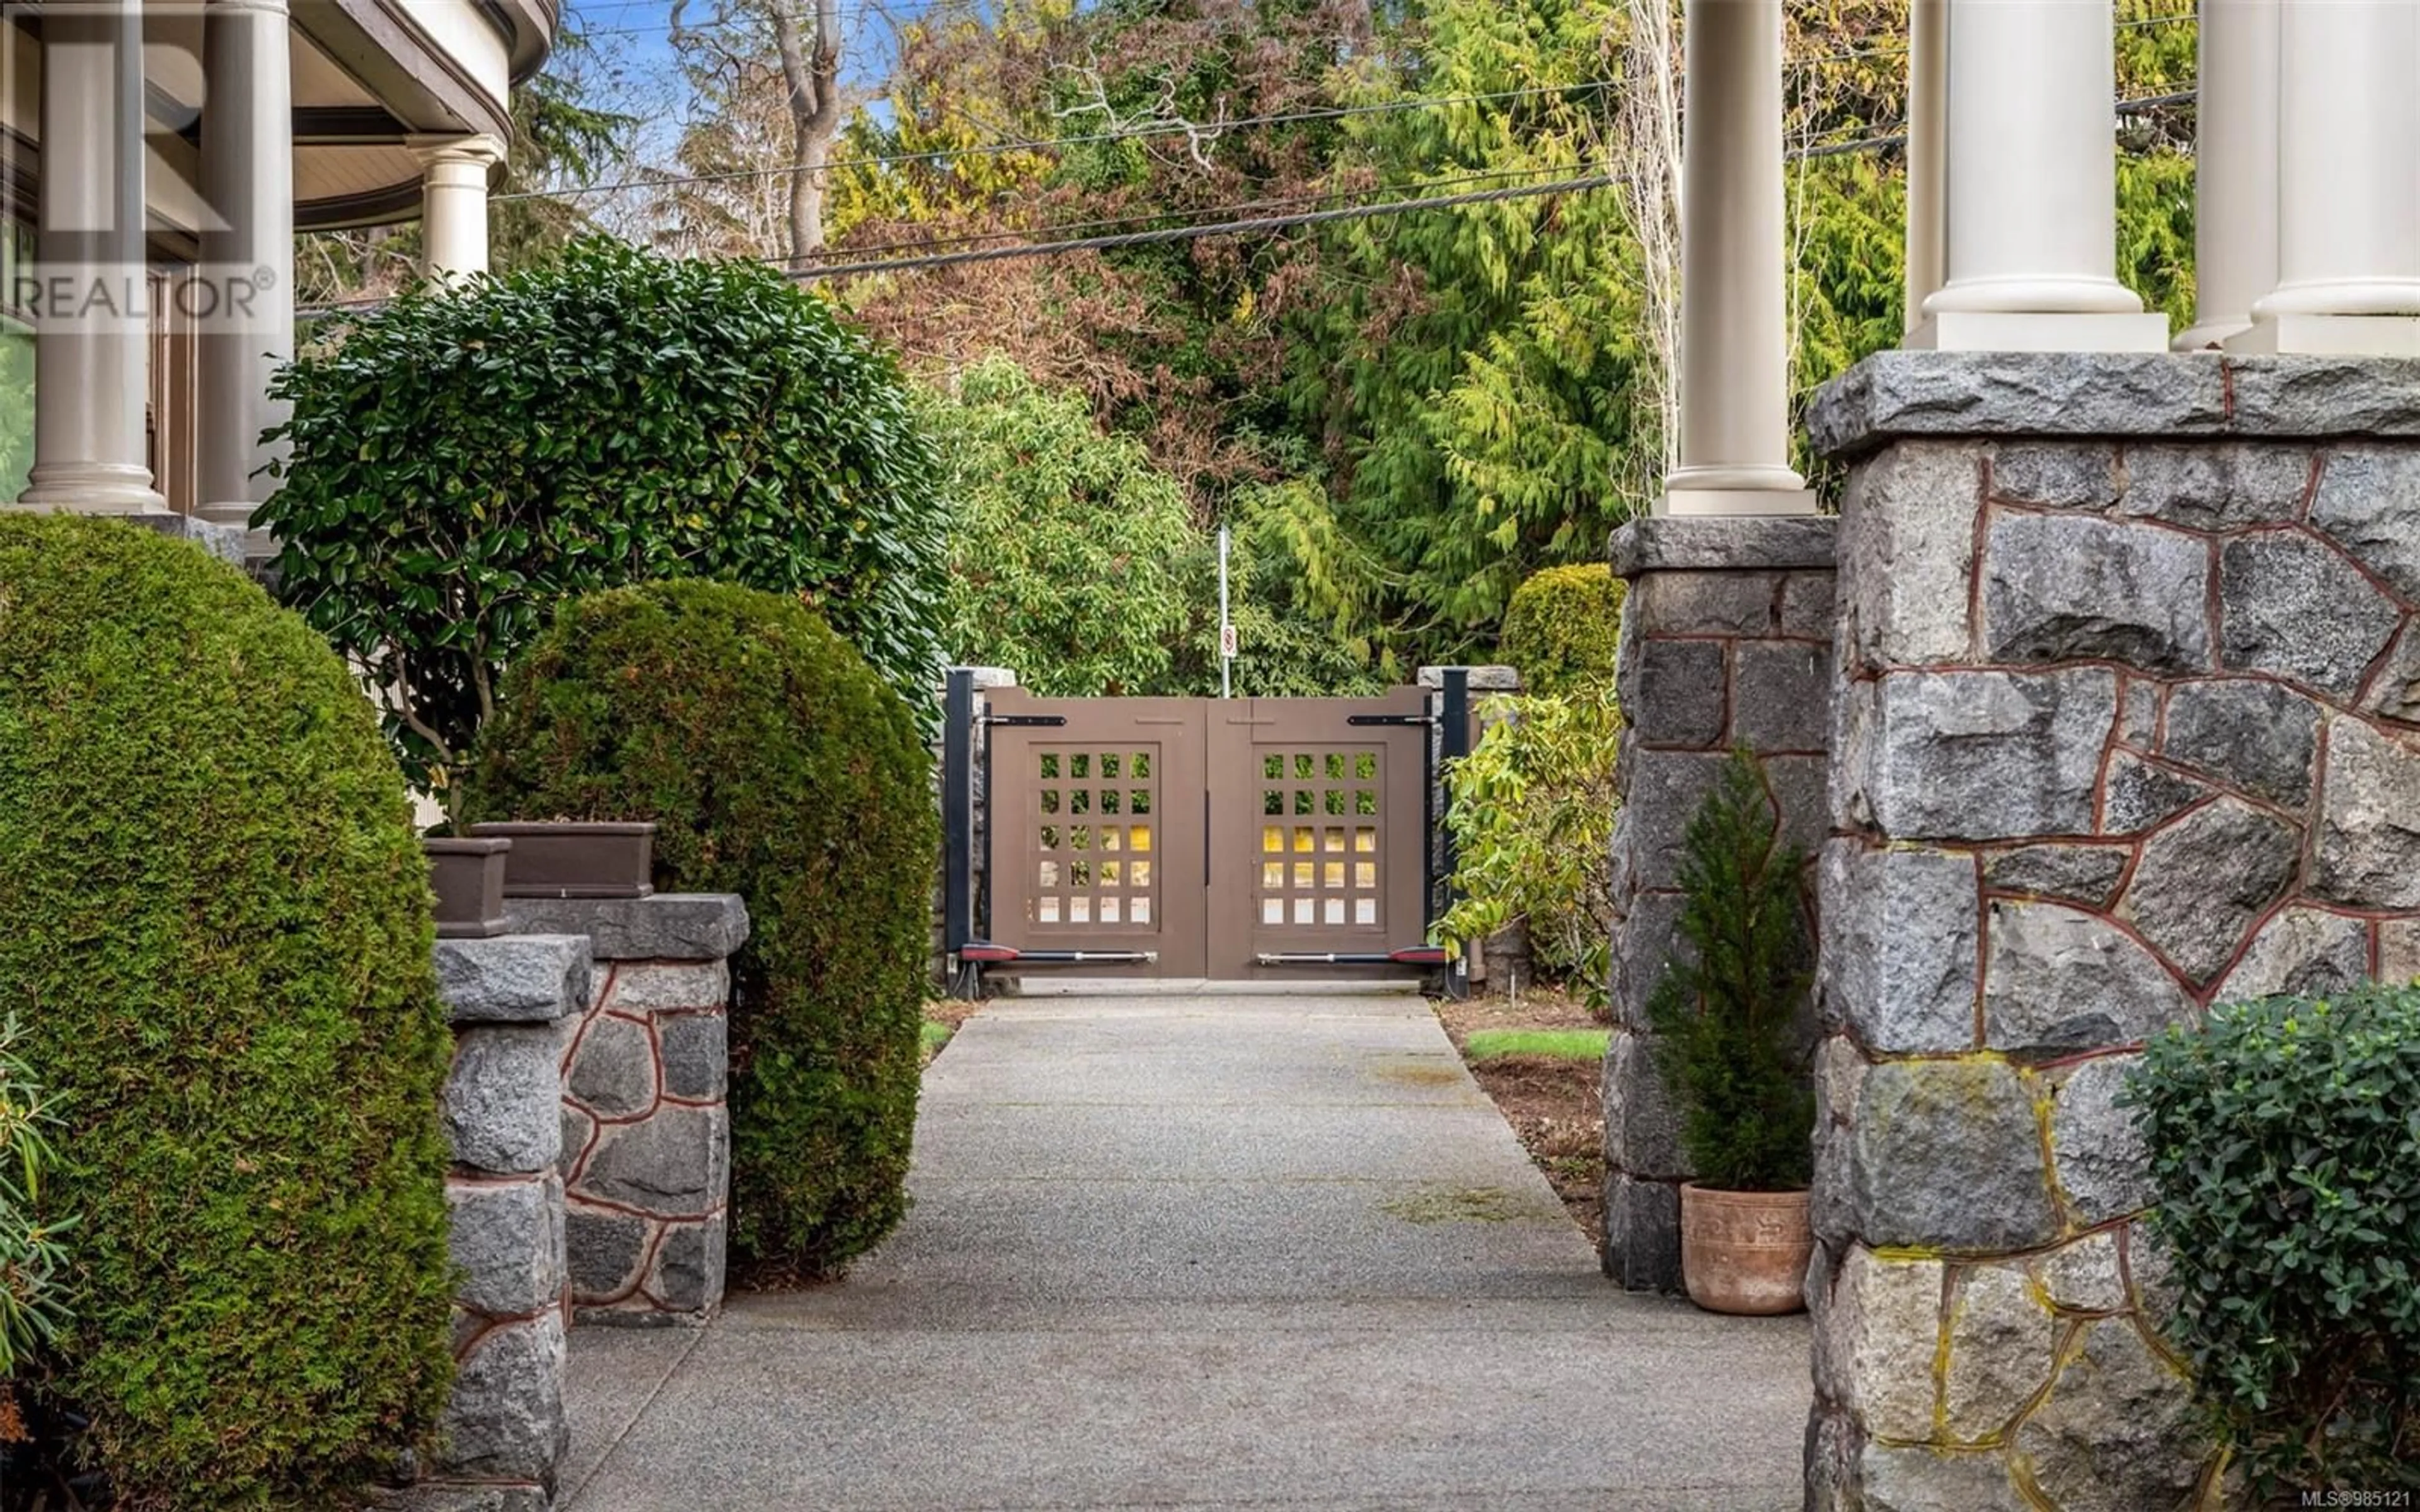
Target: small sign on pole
[1227,641]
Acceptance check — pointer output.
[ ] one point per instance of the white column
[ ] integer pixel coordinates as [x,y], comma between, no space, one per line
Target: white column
[2349,212]
[1734,444]
[1927,151]
[247,322]
[2033,185]
[91,348]
[2235,169]
[454,217]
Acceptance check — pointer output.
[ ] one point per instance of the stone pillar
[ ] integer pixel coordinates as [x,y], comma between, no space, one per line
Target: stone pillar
[1735,442]
[504,1431]
[248,261]
[2033,186]
[2235,169]
[454,214]
[1725,641]
[2348,221]
[92,323]
[644,1116]
[2127,722]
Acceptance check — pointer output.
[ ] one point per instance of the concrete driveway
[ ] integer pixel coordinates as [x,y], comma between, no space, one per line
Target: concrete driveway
[1203,1252]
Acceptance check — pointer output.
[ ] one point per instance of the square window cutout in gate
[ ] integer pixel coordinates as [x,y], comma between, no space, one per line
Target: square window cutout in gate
[1318,875]
[1096,871]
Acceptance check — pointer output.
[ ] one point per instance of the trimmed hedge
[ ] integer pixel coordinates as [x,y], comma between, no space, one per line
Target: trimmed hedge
[217,934]
[2285,1148]
[1561,627]
[782,769]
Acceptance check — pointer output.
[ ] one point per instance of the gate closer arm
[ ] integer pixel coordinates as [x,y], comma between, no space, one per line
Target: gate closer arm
[984,953]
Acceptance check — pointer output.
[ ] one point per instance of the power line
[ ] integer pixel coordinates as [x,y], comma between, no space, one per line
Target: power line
[1045,144]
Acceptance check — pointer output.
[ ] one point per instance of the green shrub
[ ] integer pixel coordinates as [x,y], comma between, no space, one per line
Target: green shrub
[2285,1148]
[218,936]
[1723,1013]
[467,459]
[1561,627]
[783,769]
[1531,810]
[33,1307]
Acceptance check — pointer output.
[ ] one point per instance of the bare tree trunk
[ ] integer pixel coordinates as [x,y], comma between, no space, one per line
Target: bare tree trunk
[1646,154]
[810,70]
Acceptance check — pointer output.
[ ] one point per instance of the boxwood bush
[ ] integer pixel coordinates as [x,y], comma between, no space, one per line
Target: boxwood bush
[217,937]
[1561,627]
[2285,1146]
[464,459]
[779,767]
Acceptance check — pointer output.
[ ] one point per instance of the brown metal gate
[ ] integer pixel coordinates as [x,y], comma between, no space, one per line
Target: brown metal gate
[1205,838]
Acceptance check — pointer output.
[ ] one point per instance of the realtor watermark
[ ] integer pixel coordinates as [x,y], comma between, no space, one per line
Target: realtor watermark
[2349,1497]
[121,192]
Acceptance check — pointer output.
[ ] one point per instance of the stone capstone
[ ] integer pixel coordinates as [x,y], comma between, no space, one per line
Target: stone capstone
[2206,878]
[2368,500]
[2141,796]
[2369,850]
[2057,979]
[2002,1344]
[674,1164]
[1685,543]
[1901,946]
[2087,875]
[1945,1154]
[696,1054]
[2290,607]
[1907,550]
[2068,588]
[669,926]
[2305,951]
[2255,736]
[506,1240]
[1876,1332]
[605,1249]
[513,978]
[505,1419]
[614,1068]
[502,1100]
[1986,755]
[2215,487]
[2102,1165]
[1902,394]
[2118,1433]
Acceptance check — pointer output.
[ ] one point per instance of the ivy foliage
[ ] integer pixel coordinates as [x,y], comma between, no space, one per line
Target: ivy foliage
[465,460]
[1724,1013]
[1531,810]
[2285,1148]
[1562,628]
[779,767]
[219,932]
[1078,563]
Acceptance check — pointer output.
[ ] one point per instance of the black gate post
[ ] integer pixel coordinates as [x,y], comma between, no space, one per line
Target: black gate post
[1453,744]
[958,828]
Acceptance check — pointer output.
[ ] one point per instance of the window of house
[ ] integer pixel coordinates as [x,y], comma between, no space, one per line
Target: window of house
[16,363]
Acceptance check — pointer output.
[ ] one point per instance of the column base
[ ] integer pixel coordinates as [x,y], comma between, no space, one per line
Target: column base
[92,488]
[2331,335]
[1736,501]
[2210,336]
[2000,330]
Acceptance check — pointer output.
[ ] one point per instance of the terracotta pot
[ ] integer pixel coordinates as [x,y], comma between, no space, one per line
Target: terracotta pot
[469,879]
[576,861]
[1744,1251]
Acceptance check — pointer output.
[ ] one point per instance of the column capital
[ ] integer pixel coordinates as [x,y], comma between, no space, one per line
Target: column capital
[438,153]
[261,8]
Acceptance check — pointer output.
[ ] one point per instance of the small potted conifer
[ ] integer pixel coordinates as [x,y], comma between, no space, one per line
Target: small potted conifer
[1727,1044]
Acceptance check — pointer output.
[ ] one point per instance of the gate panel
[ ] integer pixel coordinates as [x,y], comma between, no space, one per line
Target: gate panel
[1319,831]
[1097,829]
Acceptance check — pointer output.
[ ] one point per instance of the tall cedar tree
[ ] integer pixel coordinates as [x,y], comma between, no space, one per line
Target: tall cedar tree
[1724,1019]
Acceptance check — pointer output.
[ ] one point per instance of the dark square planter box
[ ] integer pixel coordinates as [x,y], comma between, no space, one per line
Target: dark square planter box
[576,861]
[469,879]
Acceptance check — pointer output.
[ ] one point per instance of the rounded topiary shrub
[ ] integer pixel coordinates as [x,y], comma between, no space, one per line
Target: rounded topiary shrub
[1561,627]
[217,937]
[777,766]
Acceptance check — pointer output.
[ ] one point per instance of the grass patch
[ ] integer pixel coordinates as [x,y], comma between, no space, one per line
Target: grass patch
[1551,1044]
[1479,1205]
[933,1037]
